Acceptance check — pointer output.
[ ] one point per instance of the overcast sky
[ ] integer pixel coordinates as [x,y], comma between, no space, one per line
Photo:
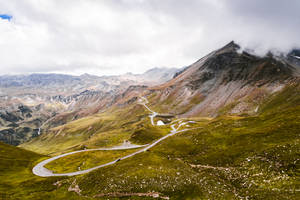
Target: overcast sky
[117,36]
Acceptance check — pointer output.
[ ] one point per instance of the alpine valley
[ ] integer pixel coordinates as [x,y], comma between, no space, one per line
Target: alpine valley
[224,127]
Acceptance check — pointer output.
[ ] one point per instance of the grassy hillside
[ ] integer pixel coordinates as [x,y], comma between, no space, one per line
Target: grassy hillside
[101,130]
[18,182]
[228,157]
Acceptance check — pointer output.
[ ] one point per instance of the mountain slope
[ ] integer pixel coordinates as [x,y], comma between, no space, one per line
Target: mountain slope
[18,182]
[224,82]
[31,104]
[248,149]
[228,157]
[224,78]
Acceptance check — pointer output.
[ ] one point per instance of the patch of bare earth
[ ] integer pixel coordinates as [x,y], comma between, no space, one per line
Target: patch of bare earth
[119,194]
[209,167]
[74,188]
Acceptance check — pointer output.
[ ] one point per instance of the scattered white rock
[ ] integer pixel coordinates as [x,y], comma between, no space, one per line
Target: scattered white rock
[160,123]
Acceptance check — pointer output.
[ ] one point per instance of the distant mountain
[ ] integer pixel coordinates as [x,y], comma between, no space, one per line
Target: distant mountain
[226,127]
[161,74]
[37,80]
[75,84]
[225,81]
[29,104]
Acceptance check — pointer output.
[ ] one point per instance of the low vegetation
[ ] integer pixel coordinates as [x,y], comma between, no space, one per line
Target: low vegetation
[228,157]
[18,182]
[100,130]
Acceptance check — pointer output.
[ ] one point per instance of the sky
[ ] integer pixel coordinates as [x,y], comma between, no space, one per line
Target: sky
[119,36]
[5,17]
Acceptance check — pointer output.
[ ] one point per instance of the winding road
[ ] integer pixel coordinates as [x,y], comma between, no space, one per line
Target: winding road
[40,170]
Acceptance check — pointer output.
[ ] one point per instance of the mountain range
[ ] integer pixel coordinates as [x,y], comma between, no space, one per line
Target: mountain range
[31,101]
[224,127]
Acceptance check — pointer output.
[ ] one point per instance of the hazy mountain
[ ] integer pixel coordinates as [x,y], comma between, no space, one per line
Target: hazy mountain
[161,74]
[54,99]
[225,82]
[226,126]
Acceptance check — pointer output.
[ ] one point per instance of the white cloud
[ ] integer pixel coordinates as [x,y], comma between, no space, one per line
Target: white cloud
[117,36]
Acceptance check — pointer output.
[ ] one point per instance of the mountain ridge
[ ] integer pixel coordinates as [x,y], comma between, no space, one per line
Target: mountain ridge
[219,78]
[237,122]
[55,99]
[224,81]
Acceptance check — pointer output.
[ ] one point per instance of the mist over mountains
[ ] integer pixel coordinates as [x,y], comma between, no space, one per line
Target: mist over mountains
[31,104]
[28,101]
[113,37]
[149,99]
[225,126]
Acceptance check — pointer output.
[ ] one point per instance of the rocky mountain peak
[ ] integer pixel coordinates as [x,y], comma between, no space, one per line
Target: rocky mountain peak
[226,65]
[227,76]
[230,47]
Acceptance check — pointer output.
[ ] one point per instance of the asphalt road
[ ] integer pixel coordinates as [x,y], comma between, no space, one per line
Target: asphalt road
[40,170]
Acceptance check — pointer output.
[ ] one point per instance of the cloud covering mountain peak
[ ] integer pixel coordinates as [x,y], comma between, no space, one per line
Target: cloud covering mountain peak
[114,37]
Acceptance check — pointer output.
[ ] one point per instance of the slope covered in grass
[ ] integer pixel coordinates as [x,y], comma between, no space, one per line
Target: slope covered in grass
[230,157]
[18,182]
[105,129]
